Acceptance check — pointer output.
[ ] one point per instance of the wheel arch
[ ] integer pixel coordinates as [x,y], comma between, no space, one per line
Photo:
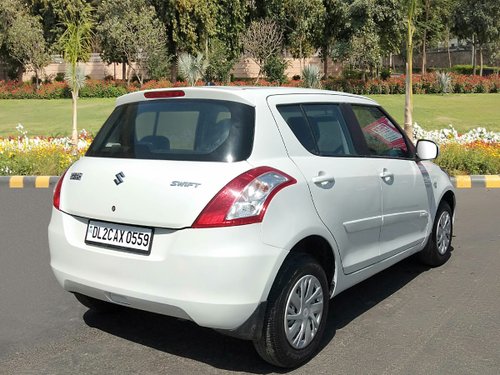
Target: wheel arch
[449,197]
[321,250]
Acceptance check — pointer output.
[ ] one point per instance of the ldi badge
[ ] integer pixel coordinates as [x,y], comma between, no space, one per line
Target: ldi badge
[76,176]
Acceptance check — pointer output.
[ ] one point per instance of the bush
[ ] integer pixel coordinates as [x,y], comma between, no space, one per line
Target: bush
[220,63]
[476,152]
[475,158]
[385,74]
[426,84]
[468,70]
[39,155]
[274,69]
[59,77]
[102,89]
[312,76]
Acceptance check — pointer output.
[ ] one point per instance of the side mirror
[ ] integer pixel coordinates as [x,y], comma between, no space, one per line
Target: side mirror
[427,150]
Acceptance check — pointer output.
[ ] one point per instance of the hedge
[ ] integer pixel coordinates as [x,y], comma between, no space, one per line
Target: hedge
[426,84]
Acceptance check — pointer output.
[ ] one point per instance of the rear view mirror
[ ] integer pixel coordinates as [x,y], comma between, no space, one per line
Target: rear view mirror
[427,150]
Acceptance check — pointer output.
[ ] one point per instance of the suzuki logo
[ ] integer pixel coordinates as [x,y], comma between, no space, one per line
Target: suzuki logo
[119,178]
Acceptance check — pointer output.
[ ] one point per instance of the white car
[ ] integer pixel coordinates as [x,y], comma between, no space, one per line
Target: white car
[246,209]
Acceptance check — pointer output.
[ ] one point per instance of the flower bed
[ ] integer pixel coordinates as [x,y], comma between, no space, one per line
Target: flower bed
[475,152]
[422,84]
[426,84]
[38,156]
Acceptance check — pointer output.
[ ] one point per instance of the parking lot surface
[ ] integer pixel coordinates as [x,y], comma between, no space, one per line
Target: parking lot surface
[407,320]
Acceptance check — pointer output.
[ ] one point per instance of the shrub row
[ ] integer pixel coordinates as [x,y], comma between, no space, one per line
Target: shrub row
[474,158]
[426,84]
[468,69]
[422,84]
[51,156]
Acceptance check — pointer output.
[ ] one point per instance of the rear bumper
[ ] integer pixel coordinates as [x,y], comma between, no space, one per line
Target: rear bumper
[215,277]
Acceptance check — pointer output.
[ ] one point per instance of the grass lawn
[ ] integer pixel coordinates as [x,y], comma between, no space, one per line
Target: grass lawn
[53,117]
[463,111]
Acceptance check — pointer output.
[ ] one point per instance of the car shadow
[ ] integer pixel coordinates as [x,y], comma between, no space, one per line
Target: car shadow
[186,339]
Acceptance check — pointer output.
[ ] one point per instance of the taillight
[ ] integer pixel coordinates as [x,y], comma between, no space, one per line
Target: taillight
[57,192]
[244,200]
[164,94]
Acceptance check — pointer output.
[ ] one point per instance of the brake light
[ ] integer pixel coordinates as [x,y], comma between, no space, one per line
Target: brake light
[245,199]
[57,191]
[164,94]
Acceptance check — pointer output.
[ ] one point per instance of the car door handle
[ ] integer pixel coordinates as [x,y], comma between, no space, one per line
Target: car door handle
[322,179]
[386,174]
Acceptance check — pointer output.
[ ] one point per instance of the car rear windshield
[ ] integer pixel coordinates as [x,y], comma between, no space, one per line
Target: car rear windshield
[177,129]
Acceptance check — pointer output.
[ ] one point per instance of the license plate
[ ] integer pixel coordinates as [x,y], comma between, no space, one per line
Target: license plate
[119,236]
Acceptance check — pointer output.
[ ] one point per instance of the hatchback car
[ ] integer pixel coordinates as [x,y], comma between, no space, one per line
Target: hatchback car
[246,209]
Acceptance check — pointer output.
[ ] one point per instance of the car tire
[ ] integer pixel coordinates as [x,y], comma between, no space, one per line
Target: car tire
[438,248]
[285,347]
[95,304]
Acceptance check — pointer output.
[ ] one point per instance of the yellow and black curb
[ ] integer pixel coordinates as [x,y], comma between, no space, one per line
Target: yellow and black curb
[20,182]
[468,182]
[460,182]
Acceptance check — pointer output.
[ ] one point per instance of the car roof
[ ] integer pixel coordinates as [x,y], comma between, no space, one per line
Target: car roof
[246,94]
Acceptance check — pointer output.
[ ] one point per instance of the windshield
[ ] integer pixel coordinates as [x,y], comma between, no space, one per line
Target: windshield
[177,129]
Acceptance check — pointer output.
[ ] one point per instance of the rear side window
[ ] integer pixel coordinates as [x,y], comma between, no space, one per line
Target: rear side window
[320,128]
[177,129]
[382,136]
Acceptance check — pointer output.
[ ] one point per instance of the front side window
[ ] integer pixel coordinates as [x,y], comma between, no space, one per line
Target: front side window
[382,136]
[178,129]
[320,128]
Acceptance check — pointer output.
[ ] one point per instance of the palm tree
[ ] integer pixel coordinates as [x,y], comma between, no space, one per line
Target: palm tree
[76,43]
[411,8]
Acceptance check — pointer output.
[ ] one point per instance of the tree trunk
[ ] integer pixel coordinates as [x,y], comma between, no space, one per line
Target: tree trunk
[473,55]
[325,62]
[173,72]
[408,121]
[37,80]
[124,70]
[129,75]
[408,125]
[424,53]
[424,38]
[448,46]
[74,134]
[481,60]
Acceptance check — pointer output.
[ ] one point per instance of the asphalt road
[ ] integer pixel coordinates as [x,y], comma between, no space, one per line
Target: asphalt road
[407,320]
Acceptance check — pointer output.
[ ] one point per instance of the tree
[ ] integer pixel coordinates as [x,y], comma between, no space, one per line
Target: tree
[26,44]
[335,25]
[189,25]
[389,17]
[230,26]
[10,11]
[361,43]
[262,41]
[222,60]
[76,43]
[478,22]
[411,7]
[224,48]
[303,21]
[130,29]
[433,23]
